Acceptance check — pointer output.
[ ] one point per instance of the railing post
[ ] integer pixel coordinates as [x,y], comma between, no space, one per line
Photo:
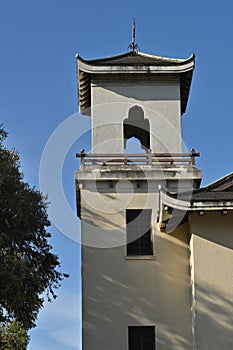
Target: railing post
[149,157]
[193,156]
[82,153]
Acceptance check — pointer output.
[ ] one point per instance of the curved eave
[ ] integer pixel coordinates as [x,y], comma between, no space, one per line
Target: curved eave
[174,212]
[194,205]
[182,67]
[157,65]
[132,57]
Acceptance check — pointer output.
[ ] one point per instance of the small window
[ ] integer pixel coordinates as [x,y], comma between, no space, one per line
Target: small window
[141,338]
[138,231]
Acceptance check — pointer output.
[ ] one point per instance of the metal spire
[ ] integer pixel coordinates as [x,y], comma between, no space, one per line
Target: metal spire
[133,46]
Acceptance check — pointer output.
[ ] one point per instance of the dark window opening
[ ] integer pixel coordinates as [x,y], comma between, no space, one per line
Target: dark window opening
[138,231]
[137,126]
[141,338]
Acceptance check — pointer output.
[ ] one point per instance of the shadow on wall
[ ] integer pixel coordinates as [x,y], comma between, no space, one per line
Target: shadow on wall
[220,231]
[119,292]
[212,252]
[214,319]
[146,93]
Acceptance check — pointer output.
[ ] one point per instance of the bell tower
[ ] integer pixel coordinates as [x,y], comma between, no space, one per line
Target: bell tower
[135,278]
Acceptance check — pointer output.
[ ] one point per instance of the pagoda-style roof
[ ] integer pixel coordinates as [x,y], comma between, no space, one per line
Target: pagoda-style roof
[132,62]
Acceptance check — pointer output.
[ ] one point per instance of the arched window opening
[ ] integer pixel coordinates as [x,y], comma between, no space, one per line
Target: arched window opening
[137,126]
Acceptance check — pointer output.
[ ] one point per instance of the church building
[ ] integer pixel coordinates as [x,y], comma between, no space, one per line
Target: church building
[157,258]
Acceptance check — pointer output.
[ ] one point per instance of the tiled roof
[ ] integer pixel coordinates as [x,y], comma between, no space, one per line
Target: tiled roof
[137,58]
[204,196]
[220,190]
[222,184]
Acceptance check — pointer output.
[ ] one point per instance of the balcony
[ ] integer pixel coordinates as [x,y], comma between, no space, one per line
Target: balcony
[154,160]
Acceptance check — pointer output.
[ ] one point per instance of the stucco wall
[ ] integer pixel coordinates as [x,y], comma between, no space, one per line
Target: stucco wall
[111,102]
[212,278]
[119,292]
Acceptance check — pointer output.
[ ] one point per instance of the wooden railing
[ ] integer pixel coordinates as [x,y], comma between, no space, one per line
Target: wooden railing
[153,159]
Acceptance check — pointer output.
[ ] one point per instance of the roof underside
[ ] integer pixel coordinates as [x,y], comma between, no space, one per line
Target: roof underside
[133,63]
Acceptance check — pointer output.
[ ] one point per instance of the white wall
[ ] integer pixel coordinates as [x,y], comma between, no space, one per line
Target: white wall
[212,278]
[161,104]
[120,292]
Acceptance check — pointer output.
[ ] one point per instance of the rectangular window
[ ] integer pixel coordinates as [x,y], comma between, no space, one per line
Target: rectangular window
[138,231]
[141,338]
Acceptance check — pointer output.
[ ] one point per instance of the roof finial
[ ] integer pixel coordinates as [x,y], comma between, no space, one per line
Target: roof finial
[133,46]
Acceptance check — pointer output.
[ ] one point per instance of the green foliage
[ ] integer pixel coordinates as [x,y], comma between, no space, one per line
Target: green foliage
[13,336]
[28,268]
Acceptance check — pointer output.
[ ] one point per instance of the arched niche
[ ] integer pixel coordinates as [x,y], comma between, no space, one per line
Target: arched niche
[137,126]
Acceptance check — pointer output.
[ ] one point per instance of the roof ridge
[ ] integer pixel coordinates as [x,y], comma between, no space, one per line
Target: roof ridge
[171,59]
[218,180]
[136,53]
[106,58]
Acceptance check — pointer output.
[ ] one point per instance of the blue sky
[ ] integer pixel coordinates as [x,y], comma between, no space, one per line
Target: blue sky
[38,91]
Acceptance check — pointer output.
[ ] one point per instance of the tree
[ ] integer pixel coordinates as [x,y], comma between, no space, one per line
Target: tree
[13,336]
[28,268]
